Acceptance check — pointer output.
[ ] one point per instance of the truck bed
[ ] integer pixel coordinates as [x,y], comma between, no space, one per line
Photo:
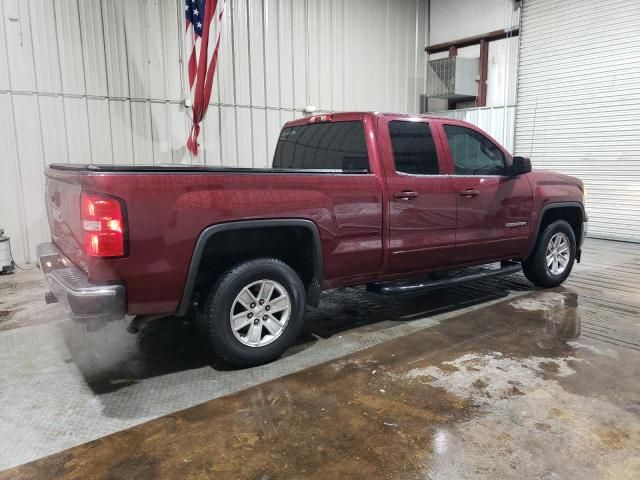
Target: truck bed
[168,206]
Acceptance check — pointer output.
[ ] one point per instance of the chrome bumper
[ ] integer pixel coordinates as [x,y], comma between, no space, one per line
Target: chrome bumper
[71,288]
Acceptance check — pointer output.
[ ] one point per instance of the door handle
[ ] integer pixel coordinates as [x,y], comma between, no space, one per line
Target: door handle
[470,193]
[405,195]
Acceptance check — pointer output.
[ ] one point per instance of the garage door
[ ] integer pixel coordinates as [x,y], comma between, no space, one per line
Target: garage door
[579,103]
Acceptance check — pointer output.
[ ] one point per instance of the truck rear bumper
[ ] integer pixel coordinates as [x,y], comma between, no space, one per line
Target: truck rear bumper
[71,288]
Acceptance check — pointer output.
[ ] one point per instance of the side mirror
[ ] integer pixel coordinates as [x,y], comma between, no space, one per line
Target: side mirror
[520,166]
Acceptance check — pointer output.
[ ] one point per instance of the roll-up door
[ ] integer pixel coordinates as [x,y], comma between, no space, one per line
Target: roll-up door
[578,106]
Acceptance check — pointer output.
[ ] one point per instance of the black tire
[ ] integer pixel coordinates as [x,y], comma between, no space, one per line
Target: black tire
[535,267]
[215,316]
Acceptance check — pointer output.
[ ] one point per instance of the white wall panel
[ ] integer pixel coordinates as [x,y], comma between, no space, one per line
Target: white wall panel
[70,46]
[121,135]
[159,61]
[54,140]
[77,131]
[272,131]
[18,45]
[12,217]
[31,158]
[499,122]
[245,137]
[179,131]
[228,137]
[45,45]
[171,33]
[93,47]
[260,135]
[256,47]
[455,19]
[502,71]
[225,83]
[299,59]
[240,49]
[102,81]
[271,54]
[4,62]
[211,132]
[141,132]
[313,73]
[285,57]
[161,133]
[115,48]
[99,120]
[135,30]
[579,103]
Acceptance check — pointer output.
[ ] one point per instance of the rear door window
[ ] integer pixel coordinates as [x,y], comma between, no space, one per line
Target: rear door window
[323,146]
[414,150]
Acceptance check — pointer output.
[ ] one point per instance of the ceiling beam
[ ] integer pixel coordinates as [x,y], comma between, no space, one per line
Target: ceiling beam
[476,39]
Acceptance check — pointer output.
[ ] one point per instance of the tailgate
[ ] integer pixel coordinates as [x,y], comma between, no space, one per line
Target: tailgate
[62,196]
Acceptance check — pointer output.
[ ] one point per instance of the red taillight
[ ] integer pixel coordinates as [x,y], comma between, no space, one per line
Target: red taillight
[102,226]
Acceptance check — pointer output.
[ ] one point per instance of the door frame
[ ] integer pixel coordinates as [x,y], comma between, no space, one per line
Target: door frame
[508,161]
[387,162]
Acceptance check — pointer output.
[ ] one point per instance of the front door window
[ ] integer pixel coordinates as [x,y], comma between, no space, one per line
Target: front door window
[472,153]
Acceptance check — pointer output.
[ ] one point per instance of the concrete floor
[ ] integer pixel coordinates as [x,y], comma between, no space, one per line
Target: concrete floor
[491,380]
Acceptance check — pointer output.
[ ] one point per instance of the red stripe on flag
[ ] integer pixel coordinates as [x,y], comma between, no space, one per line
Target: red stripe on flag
[192,66]
[202,72]
[208,86]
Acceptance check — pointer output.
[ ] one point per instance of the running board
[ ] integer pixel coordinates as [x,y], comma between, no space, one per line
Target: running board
[391,288]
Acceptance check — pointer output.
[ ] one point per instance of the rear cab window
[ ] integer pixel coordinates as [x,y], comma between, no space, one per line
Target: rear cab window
[335,146]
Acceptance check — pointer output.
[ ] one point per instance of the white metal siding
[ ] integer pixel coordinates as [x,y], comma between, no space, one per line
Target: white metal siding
[100,81]
[499,122]
[579,103]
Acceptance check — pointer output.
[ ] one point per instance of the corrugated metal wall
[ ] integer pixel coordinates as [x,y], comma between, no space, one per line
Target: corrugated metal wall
[499,122]
[101,81]
[579,103]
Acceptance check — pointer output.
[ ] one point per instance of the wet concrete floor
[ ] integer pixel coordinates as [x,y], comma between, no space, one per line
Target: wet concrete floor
[539,386]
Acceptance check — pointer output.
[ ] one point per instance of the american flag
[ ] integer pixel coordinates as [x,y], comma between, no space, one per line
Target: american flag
[204,18]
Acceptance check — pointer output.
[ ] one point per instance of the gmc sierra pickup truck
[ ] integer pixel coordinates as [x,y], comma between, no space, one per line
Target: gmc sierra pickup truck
[401,203]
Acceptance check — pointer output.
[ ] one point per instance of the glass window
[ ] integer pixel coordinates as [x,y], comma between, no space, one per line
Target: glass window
[473,153]
[322,146]
[413,148]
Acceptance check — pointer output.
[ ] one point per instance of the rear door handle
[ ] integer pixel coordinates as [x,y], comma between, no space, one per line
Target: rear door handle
[405,195]
[470,193]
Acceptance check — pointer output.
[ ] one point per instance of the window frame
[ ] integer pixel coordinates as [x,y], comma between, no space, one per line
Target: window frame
[445,138]
[434,138]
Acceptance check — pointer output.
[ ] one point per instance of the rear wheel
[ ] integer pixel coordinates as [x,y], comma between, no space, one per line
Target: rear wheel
[552,259]
[254,312]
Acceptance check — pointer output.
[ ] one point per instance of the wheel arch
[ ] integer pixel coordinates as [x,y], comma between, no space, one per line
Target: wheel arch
[209,234]
[572,212]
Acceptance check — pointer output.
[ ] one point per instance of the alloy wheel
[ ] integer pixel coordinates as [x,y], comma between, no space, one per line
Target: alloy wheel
[260,313]
[558,253]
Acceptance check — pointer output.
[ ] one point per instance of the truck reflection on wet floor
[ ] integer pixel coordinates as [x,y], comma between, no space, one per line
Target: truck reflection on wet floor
[110,358]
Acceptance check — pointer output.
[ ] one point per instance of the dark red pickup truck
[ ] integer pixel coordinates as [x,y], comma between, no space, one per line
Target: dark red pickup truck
[396,202]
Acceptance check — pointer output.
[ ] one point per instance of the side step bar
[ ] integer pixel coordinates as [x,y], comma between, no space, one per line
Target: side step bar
[392,288]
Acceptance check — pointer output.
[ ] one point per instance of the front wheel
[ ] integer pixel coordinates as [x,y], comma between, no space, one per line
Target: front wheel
[552,259]
[254,312]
